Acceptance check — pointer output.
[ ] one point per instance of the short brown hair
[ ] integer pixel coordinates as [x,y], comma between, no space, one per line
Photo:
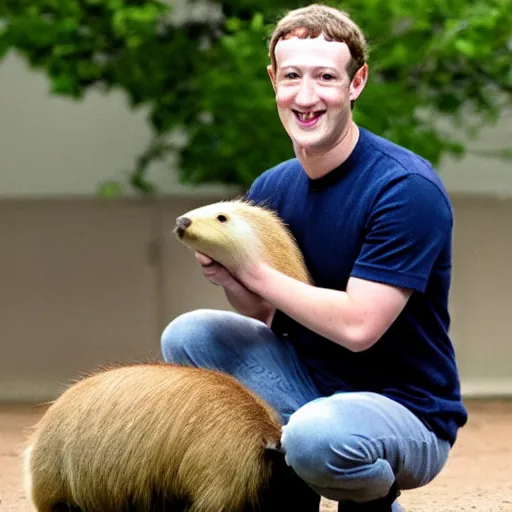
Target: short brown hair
[317,19]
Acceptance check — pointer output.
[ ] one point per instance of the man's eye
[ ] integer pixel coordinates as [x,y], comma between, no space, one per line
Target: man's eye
[328,76]
[291,76]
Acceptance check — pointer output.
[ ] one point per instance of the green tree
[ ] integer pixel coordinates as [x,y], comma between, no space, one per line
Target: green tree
[429,61]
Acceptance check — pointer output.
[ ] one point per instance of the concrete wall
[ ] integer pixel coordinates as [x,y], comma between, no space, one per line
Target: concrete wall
[85,282]
[480,301]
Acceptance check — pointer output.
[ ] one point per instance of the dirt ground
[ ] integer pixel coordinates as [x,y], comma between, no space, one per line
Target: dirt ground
[477,477]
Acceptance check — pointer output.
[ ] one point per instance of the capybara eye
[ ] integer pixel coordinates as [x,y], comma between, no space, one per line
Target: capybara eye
[222,218]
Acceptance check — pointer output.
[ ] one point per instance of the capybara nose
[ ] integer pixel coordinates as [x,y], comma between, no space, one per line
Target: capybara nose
[182,223]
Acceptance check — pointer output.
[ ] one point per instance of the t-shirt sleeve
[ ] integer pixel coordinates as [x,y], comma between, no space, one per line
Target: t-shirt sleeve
[407,229]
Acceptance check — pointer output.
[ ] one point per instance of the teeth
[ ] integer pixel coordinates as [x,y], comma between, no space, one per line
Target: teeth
[307,116]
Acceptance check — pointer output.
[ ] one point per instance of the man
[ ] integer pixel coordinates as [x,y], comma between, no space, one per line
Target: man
[360,366]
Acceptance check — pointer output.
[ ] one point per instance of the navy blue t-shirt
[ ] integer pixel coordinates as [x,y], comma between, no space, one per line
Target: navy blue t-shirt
[383,215]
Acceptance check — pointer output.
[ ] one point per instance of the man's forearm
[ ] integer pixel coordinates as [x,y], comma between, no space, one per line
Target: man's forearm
[317,309]
[355,318]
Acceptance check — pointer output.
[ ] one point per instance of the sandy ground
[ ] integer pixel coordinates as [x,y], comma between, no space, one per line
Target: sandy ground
[477,477]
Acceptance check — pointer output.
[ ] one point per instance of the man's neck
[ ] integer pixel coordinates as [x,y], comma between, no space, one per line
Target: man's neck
[319,163]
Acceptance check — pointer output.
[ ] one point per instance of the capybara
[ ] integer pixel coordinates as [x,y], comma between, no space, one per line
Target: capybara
[239,231]
[153,437]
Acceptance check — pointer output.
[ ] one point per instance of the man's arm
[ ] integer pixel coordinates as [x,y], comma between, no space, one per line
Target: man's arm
[355,319]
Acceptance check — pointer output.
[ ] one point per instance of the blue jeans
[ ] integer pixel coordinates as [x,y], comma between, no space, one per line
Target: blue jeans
[349,447]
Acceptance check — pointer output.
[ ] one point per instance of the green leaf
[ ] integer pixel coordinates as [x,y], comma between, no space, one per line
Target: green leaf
[233,24]
[64,83]
[465,47]
[257,21]
[110,189]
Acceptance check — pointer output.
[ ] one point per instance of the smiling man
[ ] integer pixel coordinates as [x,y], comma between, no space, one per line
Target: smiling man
[360,366]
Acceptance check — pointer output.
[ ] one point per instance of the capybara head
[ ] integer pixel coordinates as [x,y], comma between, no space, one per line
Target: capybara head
[238,232]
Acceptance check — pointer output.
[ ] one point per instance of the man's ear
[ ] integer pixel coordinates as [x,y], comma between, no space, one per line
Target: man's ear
[272,76]
[358,82]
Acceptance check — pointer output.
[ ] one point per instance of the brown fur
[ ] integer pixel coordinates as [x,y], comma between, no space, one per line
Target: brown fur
[154,436]
[250,232]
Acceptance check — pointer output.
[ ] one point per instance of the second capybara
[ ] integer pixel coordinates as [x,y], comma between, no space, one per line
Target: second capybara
[159,437]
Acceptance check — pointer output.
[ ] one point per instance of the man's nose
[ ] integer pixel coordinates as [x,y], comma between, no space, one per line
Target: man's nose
[306,95]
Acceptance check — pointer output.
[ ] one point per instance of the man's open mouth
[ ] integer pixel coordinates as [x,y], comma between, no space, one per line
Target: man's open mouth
[308,116]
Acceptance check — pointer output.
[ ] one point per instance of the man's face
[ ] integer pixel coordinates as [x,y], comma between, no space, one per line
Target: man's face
[314,91]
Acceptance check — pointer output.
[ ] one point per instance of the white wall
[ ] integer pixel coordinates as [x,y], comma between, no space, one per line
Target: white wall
[481,175]
[52,146]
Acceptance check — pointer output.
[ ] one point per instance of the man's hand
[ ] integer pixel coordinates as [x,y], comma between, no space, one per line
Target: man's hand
[215,272]
[241,298]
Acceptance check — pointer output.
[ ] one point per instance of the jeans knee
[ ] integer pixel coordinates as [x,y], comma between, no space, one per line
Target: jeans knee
[316,448]
[186,336]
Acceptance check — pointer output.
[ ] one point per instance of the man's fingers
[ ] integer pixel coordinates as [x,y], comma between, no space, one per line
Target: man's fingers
[203,259]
